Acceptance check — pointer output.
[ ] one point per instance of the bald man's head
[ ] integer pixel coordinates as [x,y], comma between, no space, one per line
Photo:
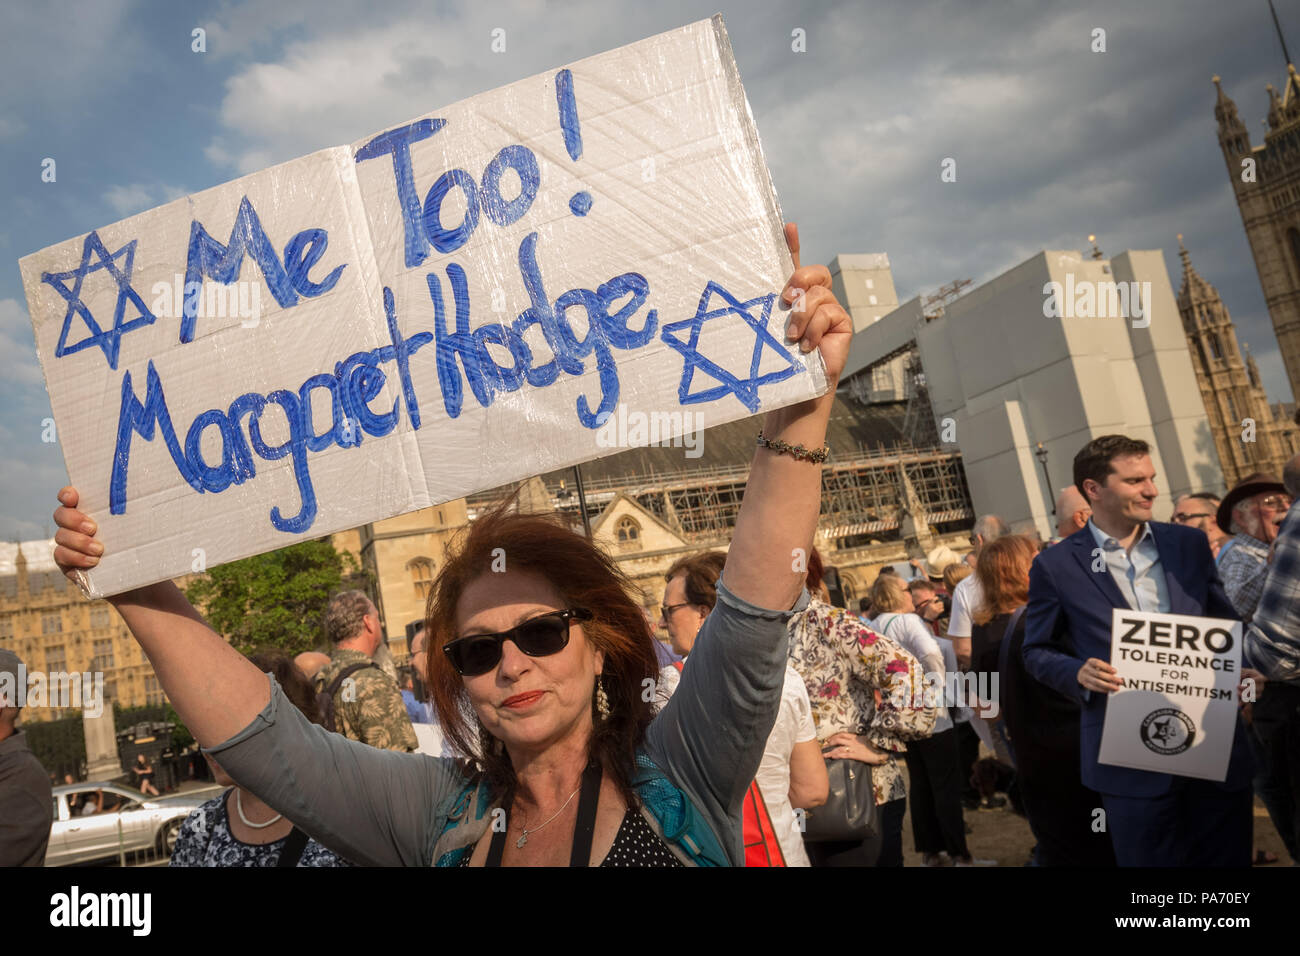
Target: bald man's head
[1072,511]
[310,662]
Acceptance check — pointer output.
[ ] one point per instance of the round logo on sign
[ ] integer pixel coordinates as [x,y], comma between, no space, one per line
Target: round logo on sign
[1168,731]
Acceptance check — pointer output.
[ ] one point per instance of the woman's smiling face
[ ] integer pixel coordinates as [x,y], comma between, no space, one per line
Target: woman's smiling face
[528,703]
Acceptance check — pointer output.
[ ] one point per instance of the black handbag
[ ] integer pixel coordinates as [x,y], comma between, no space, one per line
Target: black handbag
[849,813]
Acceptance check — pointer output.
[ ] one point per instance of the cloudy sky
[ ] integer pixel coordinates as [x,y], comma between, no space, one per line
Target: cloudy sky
[1052,141]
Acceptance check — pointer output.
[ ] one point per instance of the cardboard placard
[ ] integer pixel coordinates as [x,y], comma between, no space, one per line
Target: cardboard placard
[1177,711]
[456,303]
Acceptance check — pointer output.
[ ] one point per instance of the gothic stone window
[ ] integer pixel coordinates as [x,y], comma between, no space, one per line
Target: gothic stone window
[1200,349]
[103,660]
[628,533]
[1293,239]
[421,575]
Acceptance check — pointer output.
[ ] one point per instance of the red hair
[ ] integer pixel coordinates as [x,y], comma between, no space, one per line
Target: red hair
[1003,574]
[816,569]
[585,577]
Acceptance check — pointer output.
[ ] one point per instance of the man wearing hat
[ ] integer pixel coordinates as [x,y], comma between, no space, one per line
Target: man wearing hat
[1273,646]
[938,559]
[26,799]
[1250,513]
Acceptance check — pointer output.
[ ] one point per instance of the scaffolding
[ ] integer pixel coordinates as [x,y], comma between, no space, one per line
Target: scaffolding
[918,421]
[865,497]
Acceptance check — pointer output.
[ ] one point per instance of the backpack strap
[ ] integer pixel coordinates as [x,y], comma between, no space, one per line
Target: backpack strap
[326,698]
[291,852]
[1016,615]
[1004,651]
[884,628]
[585,829]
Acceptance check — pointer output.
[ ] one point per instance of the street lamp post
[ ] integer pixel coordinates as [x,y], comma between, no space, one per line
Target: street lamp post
[566,496]
[582,500]
[1041,455]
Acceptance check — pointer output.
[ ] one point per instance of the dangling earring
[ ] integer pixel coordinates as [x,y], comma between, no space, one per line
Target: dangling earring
[602,699]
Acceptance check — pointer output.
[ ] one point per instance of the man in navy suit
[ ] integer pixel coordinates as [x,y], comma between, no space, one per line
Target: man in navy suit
[1122,559]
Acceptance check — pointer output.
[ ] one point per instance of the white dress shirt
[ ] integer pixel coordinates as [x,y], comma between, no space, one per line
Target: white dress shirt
[1136,572]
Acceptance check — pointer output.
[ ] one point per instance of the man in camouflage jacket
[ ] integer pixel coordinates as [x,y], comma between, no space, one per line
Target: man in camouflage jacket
[368,705]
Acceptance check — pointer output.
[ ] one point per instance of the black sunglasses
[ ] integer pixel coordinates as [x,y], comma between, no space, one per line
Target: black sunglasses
[538,637]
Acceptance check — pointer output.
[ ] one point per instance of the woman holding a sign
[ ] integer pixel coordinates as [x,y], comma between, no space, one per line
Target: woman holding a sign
[543,660]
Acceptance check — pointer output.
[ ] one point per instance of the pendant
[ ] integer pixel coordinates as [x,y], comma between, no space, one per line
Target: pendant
[519,844]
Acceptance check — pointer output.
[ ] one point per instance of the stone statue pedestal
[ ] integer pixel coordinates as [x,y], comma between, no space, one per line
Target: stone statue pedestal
[102,761]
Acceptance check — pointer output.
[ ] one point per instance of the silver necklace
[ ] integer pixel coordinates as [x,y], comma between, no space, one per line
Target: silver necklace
[239,807]
[519,844]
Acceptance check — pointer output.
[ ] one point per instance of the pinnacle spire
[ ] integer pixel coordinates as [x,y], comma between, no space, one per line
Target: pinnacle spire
[1251,368]
[1193,288]
[1225,111]
[1275,107]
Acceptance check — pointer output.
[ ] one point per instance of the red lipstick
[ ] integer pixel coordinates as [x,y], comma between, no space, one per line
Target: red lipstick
[521,701]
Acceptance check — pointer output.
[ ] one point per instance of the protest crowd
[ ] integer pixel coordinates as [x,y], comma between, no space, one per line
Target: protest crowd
[541,721]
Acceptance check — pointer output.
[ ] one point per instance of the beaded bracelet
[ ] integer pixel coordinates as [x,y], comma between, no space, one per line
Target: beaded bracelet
[798,452]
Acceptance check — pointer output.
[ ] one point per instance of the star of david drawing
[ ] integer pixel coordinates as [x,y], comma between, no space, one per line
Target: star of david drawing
[755,314]
[110,339]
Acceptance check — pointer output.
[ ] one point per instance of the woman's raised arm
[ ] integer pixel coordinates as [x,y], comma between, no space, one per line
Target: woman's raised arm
[783,495]
[215,689]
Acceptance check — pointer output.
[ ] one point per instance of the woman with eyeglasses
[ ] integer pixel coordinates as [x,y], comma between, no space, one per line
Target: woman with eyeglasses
[541,657]
[792,777]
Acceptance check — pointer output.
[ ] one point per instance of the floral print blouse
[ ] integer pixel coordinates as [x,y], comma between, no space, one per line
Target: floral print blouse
[861,682]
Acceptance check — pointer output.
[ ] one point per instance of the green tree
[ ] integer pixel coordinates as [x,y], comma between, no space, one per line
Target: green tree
[276,599]
[60,745]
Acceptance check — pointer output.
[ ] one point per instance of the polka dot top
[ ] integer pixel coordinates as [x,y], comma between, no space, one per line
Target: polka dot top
[635,844]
